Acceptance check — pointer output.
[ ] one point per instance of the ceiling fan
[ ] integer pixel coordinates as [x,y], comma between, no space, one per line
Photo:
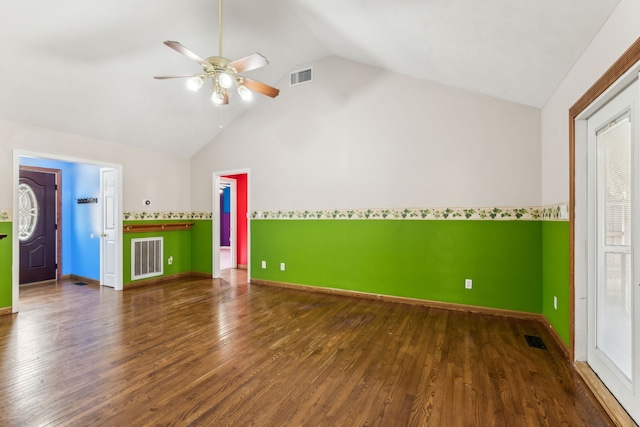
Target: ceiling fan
[222,72]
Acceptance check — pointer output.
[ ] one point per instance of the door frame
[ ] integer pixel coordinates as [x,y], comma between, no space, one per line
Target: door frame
[15,288]
[610,372]
[215,229]
[616,78]
[58,174]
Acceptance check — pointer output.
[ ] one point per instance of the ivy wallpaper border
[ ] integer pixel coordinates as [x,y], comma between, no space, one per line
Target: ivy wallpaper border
[548,213]
[144,215]
[5,215]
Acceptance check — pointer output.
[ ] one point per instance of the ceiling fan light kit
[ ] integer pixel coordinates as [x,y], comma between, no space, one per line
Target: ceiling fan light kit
[244,93]
[223,73]
[195,83]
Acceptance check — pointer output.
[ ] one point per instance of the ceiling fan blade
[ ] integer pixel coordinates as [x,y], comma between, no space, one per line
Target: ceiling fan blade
[177,77]
[186,52]
[260,87]
[249,63]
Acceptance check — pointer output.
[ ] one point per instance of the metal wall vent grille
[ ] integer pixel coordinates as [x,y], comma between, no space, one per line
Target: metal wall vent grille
[535,342]
[146,258]
[299,77]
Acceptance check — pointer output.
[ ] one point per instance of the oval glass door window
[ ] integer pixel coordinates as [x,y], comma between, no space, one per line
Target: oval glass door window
[28,212]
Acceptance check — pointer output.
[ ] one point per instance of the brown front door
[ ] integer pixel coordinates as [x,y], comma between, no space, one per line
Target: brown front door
[37,226]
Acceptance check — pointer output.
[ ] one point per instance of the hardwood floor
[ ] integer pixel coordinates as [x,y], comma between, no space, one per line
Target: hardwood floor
[222,352]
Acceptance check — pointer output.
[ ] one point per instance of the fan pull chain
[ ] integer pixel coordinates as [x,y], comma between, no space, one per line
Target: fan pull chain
[220,28]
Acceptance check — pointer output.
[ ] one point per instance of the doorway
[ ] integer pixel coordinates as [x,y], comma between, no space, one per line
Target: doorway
[80,228]
[237,183]
[612,241]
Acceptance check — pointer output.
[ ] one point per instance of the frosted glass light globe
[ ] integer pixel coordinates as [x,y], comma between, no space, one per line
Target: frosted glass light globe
[195,83]
[225,80]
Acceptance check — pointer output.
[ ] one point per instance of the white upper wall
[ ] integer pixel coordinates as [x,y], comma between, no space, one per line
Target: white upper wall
[360,137]
[618,33]
[147,174]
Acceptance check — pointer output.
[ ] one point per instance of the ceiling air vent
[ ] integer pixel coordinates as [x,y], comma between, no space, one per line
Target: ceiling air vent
[299,77]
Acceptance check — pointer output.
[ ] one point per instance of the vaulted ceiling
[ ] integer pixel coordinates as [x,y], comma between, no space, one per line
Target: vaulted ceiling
[85,66]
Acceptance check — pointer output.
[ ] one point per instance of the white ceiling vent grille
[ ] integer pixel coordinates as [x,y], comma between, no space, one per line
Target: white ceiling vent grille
[301,76]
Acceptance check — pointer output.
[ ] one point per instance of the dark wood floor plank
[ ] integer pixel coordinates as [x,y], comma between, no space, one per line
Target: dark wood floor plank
[205,352]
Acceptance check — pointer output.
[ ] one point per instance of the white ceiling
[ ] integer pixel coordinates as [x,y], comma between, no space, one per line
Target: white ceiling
[85,66]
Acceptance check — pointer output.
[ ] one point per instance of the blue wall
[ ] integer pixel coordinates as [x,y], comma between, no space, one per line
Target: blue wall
[80,252]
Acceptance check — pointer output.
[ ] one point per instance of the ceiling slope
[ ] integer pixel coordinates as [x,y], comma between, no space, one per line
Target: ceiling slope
[86,67]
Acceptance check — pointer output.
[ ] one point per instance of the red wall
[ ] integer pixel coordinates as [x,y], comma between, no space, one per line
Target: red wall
[241,219]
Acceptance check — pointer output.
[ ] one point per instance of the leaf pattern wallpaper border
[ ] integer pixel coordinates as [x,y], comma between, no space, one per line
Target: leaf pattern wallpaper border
[144,215]
[547,213]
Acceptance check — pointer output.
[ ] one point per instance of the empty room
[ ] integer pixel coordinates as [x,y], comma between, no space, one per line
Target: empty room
[339,213]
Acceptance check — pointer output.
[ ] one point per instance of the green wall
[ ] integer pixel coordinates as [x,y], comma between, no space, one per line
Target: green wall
[517,265]
[176,244]
[191,249]
[555,276]
[5,265]
[201,247]
[412,258]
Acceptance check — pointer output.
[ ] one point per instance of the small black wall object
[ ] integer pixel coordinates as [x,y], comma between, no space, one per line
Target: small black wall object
[87,200]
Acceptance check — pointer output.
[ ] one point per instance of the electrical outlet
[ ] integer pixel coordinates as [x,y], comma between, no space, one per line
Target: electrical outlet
[468,284]
[264,264]
[282,266]
[170,260]
[555,302]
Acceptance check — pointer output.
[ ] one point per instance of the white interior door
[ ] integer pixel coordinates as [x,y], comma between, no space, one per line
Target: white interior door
[614,236]
[109,265]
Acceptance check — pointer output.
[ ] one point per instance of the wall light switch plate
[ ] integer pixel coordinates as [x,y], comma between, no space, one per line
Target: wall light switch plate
[468,284]
[282,266]
[264,264]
